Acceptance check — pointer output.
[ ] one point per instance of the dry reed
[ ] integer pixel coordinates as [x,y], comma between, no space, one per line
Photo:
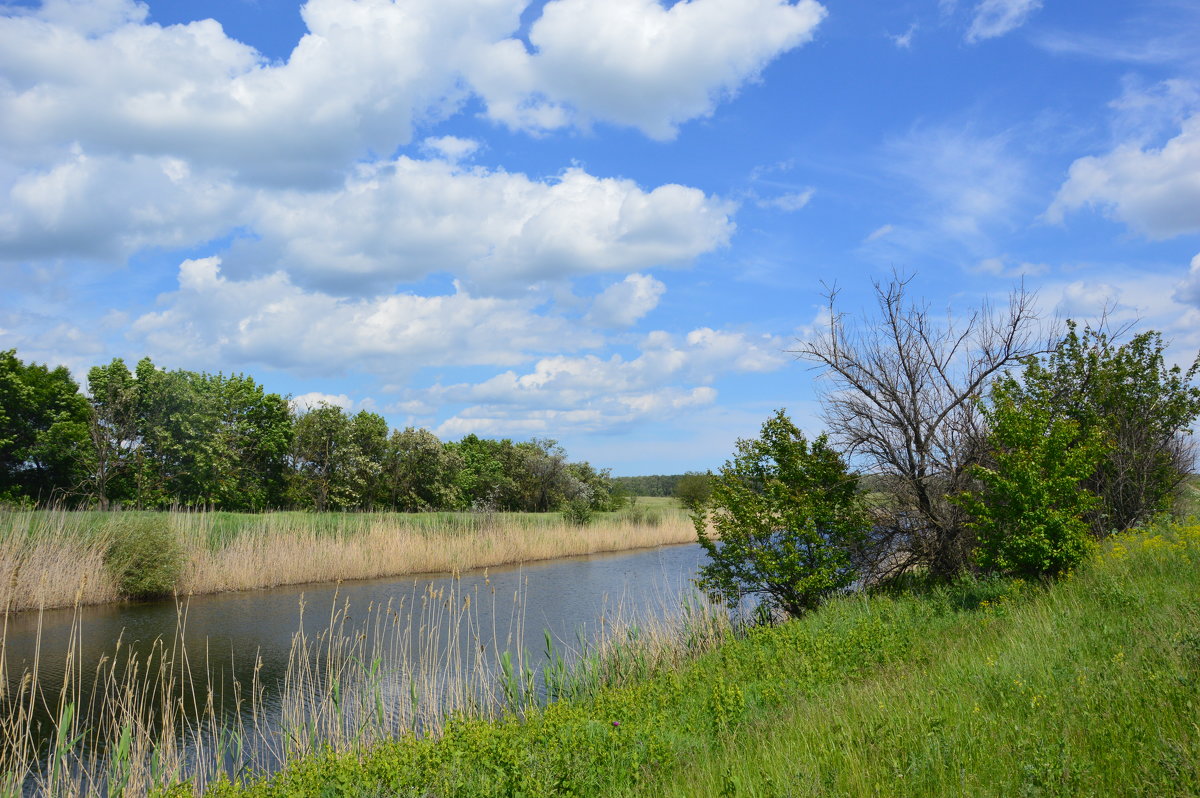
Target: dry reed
[47,560]
[54,558]
[271,557]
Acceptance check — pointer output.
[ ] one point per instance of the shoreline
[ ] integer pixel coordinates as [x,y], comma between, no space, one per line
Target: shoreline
[62,567]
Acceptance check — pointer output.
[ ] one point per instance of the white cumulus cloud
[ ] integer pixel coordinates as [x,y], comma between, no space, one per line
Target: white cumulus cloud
[366,73]
[270,321]
[1154,191]
[450,148]
[636,63]
[354,84]
[1188,291]
[623,303]
[312,399]
[110,207]
[591,393]
[388,222]
[408,218]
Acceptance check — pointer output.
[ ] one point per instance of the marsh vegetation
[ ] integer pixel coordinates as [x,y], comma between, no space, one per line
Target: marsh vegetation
[243,683]
[56,558]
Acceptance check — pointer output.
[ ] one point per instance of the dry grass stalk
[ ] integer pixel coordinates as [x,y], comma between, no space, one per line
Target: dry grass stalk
[55,558]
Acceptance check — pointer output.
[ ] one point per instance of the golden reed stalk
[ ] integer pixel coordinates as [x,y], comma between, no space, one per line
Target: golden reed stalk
[55,558]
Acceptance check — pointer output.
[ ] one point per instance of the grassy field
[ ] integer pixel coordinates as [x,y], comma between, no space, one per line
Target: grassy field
[1088,686]
[55,558]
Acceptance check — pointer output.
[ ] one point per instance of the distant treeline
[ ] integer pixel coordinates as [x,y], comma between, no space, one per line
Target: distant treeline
[652,485]
[151,438]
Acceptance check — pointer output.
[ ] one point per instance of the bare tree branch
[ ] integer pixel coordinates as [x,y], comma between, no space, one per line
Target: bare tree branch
[901,397]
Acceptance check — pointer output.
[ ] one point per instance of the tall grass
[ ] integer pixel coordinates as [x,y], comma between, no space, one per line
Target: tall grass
[54,558]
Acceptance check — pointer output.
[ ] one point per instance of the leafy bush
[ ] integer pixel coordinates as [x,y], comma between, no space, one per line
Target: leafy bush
[787,518]
[578,511]
[1130,395]
[145,558]
[641,515]
[1029,515]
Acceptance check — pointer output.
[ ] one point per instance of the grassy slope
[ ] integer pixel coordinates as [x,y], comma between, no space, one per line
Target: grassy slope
[1090,687]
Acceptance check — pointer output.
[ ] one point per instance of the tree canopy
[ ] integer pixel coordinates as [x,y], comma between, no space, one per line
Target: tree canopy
[783,521]
[151,437]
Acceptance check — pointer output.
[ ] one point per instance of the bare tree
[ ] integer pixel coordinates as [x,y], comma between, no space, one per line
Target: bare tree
[901,397]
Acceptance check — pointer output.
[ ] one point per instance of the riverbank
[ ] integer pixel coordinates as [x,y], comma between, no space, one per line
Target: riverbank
[57,558]
[1083,687]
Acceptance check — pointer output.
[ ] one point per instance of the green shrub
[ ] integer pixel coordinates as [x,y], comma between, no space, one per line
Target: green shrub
[643,516]
[787,518]
[1134,399]
[144,556]
[1030,512]
[578,511]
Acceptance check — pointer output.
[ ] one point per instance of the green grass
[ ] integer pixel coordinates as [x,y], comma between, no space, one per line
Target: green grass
[662,503]
[1090,686]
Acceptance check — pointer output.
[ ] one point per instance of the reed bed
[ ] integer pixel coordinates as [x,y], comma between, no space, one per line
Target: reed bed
[152,719]
[55,558]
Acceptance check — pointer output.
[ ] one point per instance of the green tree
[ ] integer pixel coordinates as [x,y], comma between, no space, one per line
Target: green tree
[594,486]
[321,456]
[368,434]
[257,429]
[1142,406]
[338,460]
[422,471]
[208,440]
[786,521]
[234,446]
[174,458]
[651,485]
[1028,514]
[113,431]
[693,489]
[541,479]
[485,479]
[43,430]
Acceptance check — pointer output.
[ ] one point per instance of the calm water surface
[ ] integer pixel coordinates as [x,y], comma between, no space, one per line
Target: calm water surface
[228,634]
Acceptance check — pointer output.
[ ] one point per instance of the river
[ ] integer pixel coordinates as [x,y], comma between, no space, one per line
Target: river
[395,629]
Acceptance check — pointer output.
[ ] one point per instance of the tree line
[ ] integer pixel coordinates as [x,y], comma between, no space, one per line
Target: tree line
[153,438]
[991,444]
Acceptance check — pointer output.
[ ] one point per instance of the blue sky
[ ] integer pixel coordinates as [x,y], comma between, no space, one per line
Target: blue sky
[602,221]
